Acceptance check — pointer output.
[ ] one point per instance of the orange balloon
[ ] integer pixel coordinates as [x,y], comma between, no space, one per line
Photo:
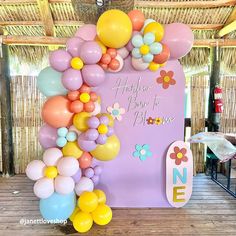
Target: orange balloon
[163,56]
[85,89]
[85,160]
[114,64]
[89,106]
[76,106]
[93,97]
[73,95]
[112,52]
[137,18]
[56,113]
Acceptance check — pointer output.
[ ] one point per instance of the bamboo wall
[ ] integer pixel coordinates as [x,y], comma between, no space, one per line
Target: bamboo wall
[228,118]
[26,108]
[199,86]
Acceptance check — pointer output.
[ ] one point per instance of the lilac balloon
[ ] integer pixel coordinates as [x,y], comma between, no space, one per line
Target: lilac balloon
[97,170]
[110,132]
[72,79]
[77,176]
[95,179]
[91,134]
[93,122]
[85,144]
[129,46]
[60,60]
[104,120]
[87,32]
[73,46]
[102,138]
[47,136]
[179,38]
[89,172]
[90,53]
[93,75]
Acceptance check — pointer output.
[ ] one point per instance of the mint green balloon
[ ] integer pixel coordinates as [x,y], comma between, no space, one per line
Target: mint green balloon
[49,83]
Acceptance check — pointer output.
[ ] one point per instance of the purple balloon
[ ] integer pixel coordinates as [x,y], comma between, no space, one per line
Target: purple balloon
[179,38]
[91,134]
[72,79]
[89,172]
[93,75]
[97,170]
[87,32]
[47,136]
[60,60]
[110,132]
[104,120]
[73,46]
[93,122]
[85,144]
[102,138]
[90,53]
[76,177]
[95,179]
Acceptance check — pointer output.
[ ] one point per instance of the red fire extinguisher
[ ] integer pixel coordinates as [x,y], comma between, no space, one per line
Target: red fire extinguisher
[218,99]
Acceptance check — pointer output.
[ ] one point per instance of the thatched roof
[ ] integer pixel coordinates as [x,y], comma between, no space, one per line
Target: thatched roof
[206,17]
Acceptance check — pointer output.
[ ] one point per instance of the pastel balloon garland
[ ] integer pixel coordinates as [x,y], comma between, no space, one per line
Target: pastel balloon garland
[75,130]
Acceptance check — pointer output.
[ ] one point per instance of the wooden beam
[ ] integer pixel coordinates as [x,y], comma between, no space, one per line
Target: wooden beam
[46,17]
[187,4]
[227,29]
[6,114]
[232,17]
[17,2]
[79,23]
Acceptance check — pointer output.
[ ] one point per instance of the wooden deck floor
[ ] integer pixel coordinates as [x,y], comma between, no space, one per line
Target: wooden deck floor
[211,211]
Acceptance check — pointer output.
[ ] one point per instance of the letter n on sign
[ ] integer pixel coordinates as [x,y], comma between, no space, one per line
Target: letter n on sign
[179,174]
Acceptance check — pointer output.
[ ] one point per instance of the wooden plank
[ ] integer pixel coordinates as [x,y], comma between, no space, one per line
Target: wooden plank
[46,17]
[227,29]
[232,17]
[185,4]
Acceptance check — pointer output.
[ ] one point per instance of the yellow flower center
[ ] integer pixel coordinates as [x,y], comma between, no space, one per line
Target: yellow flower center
[144,49]
[51,172]
[84,97]
[166,79]
[76,63]
[102,129]
[179,155]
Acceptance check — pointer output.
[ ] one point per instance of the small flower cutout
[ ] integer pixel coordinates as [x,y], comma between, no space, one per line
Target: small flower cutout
[166,79]
[179,155]
[150,121]
[116,111]
[142,151]
[158,121]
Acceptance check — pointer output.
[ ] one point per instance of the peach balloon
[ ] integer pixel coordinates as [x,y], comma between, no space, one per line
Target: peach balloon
[137,18]
[56,113]
[85,160]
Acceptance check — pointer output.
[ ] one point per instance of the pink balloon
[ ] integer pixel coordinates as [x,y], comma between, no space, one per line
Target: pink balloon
[64,184]
[47,136]
[60,60]
[179,38]
[85,184]
[35,170]
[93,75]
[71,79]
[51,156]
[73,46]
[139,64]
[68,166]
[87,32]
[90,53]
[44,188]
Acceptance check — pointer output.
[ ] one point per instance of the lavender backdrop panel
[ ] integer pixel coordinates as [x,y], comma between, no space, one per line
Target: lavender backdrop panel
[127,180]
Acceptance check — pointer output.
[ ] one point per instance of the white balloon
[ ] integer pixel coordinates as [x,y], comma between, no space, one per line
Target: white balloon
[123,52]
[120,59]
[139,64]
[44,188]
[97,109]
[67,166]
[64,184]
[85,184]
[35,170]
[51,156]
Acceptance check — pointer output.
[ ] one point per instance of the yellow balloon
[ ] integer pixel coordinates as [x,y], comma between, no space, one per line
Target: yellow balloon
[111,120]
[72,149]
[88,202]
[102,215]
[155,28]
[80,121]
[76,63]
[108,151]
[51,172]
[74,213]
[101,196]
[114,28]
[153,66]
[82,222]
